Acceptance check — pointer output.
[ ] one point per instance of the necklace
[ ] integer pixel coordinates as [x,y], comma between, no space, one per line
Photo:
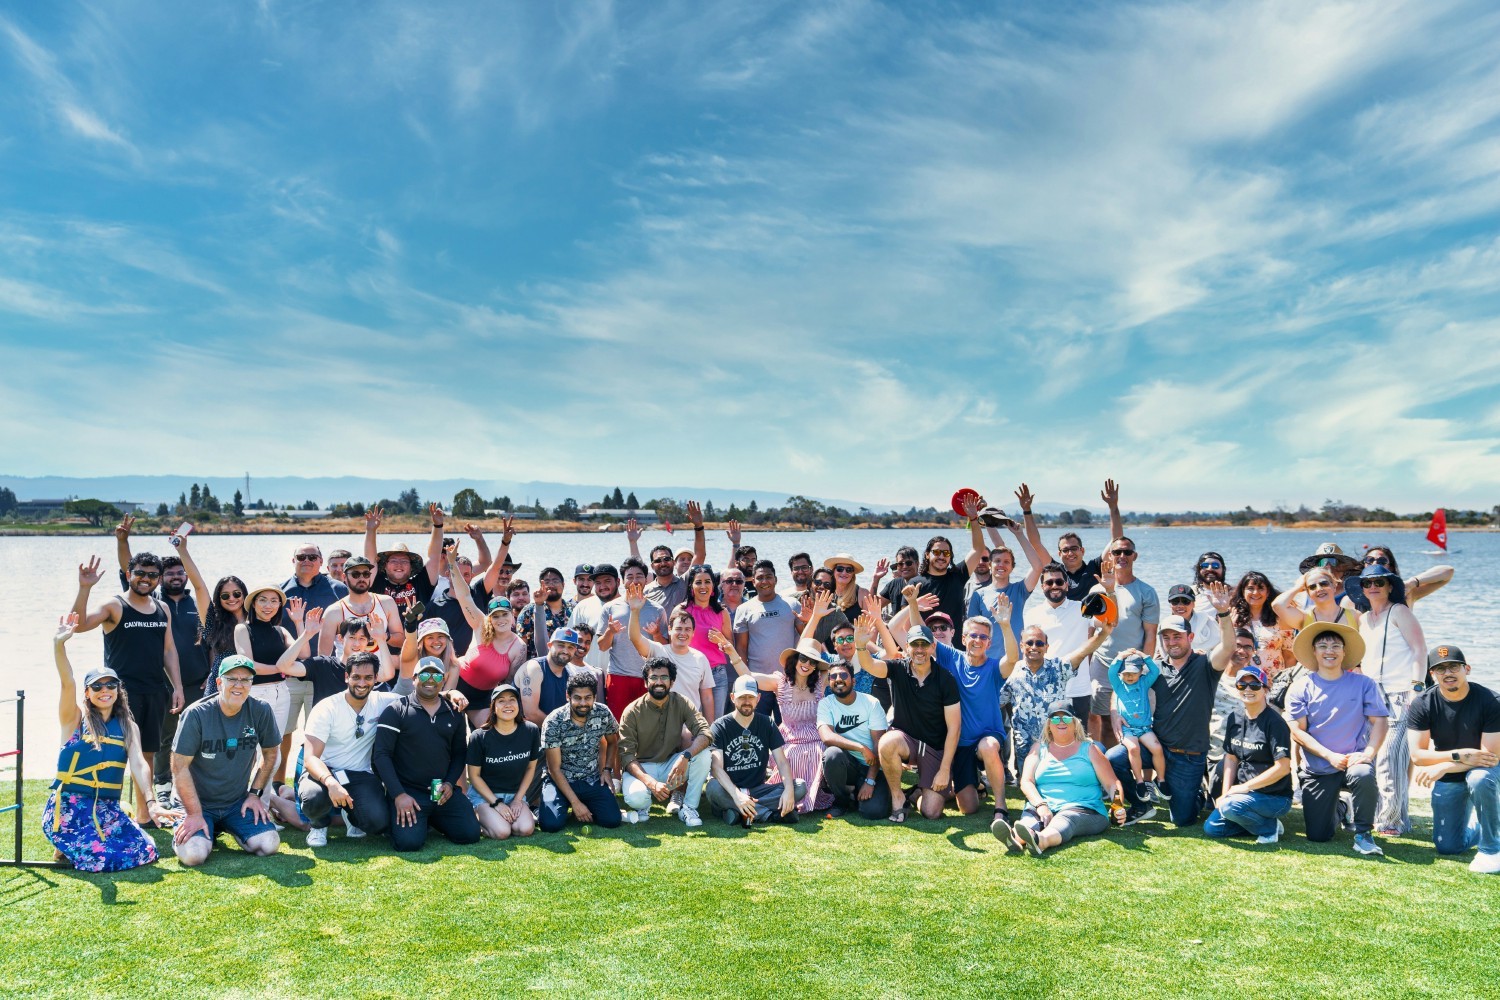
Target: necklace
[1063,746]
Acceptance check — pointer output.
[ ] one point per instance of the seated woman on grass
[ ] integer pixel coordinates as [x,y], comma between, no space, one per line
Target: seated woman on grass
[1067,782]
[83,818]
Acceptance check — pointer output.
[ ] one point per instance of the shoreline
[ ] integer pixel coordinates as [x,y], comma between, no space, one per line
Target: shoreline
[420,525]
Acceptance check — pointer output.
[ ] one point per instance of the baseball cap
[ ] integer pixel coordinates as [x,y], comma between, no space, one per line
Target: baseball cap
[567,635]
[99,674]
[940,616]
[1061,708]
[504,689]
[1181,592]
[1445,654]
[1132,665]
[500,604]
[605,569]
[429,664]
[1253,672]
[236,662]
[355,562]
[919,633]
[744,685]
[583,569]
[1175,623]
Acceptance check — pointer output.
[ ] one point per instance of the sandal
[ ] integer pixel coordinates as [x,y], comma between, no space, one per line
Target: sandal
[898,815]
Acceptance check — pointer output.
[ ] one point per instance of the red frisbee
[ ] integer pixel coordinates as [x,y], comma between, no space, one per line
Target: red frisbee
[962,497]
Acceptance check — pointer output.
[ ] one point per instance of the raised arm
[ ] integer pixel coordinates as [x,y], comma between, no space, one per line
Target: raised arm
[700,544]
[1428,582]
[633,536]
[635,599]
[471,611]
[1288,615]
[89,574]
[373,516]
[67,705]
[492,575]
[308,624]
[435,565]
[1026,499]
[864,626]
[732,532]
[1221,597]
[482,557]
[1088,649]
[122,542]
[814,609]
[1111,497]
[1001,609]
[205,597]
[976,536]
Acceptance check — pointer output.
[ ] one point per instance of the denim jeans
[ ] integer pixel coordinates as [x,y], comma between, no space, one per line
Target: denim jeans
[638,797]
[1184,781]
[1467,814]
[1252,812]
[596,797]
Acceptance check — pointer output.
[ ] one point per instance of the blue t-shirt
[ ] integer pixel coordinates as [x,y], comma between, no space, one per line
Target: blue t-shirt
[981,599]
[978,694]
[1336,713]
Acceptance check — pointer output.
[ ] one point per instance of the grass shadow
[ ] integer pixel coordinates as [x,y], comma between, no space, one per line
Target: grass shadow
[283,868]
[19,884]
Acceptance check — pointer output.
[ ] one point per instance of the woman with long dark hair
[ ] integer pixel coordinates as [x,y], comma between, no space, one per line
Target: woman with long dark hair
[708,613]
[1254,609]
[221,610]
[83,818]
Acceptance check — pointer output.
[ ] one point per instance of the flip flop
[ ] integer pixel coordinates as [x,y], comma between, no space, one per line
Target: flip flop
[897,815]
[1003,832]
[1027,837]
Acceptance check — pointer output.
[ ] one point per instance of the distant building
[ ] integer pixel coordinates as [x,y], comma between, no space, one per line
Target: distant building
[594,513]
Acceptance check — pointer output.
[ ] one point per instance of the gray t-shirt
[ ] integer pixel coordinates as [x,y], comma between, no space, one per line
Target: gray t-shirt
[1138,608]
[772,627]
[225,749]
[624,661]
[667,597]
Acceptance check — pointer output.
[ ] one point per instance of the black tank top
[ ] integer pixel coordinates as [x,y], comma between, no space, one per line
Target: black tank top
[266,646]
[136,648]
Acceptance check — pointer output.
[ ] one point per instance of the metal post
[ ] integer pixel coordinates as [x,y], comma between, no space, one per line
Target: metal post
[20,767]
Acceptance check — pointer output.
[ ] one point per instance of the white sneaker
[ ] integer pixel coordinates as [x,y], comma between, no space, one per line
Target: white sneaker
[674,804]
[631,816]
[350,830]
[317,837]
[689,817]
[1485,864]
[1272,838]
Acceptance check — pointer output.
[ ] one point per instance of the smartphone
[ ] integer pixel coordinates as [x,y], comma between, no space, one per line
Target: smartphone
[184,529]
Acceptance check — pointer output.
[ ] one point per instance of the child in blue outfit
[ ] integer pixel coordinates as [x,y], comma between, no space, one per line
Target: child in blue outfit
[1130,677]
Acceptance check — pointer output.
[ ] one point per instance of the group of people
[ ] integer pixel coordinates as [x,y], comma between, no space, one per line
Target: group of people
[439,691]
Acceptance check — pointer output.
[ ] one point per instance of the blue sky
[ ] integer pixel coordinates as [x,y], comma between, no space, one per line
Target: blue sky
[1226,253]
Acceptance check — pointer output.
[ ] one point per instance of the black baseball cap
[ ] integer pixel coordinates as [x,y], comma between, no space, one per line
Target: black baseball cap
[583,569]
[605,569]
[1445,654]
[1182,591]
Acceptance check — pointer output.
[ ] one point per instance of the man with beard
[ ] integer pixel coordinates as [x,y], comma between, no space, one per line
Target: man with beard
[192,658]
[543,680]
[583,582]
[745,742]
[1061,619]
[339,742]
[850,724]
[589,611]
[1084,574]
[1208,570]
[801,567]
[666,589]
[359,574]
[653,765]
[399,570]
[558,610]
[419,742]
[139,648]
[578,737]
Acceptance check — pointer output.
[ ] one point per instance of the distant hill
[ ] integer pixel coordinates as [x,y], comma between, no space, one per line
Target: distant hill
[329,490]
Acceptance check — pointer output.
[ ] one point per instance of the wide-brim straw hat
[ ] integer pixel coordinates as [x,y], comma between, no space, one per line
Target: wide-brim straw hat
[843,559]
[1354,645]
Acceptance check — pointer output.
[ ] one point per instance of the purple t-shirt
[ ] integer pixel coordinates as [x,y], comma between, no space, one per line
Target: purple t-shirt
[1335,712]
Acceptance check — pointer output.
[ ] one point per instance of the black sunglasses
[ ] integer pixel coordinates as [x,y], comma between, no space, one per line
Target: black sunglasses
[104,686]
[1249,685]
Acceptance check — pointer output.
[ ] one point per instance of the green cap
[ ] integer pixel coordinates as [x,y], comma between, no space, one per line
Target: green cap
[236,662]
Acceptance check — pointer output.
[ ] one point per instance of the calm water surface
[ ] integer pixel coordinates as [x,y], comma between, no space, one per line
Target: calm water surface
[1456,614]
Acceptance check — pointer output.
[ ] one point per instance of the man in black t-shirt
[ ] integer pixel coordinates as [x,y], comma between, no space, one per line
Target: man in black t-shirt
[949,582]
[925,724]
[1454,731]
[745,742]
[1257,785]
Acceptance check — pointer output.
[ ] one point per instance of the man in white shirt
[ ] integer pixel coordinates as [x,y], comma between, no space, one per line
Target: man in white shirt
[1066,628]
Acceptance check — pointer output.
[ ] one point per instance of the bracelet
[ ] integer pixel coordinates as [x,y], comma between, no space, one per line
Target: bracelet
[1025,513]
[257,791]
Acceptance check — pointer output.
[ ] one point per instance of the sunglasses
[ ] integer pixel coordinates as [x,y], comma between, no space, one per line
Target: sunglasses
[145,574]
[1179,600]
[434,674]
[941,552]
[733,583]
[804,658]
[1054,583]
[1373,584]
[359,727]
[98,686]
[842,640]
[1070,548]
[304,557]
[975,635]
[1210,564]
[228,594]
[941,627]
[1320,585]
[1248,686]
[843,569]
[358,574]
[1122,553]
[919,644]
[1059,720]
[1035,643]
[1377,561]
[905,562]
[834,675]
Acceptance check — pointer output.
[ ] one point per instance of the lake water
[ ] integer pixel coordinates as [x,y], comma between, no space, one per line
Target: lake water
[1455,614]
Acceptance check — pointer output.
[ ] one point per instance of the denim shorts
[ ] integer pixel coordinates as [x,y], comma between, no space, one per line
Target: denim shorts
[476,800]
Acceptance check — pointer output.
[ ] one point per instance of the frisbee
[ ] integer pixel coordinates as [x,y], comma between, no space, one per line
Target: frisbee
[962,497]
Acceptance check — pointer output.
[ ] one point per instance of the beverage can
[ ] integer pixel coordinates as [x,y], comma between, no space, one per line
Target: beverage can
[437,789]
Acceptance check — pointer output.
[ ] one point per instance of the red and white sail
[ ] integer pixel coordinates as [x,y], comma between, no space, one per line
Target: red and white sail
[1437,531]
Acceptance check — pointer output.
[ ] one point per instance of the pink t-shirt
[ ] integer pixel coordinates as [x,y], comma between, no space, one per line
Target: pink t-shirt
[705,618]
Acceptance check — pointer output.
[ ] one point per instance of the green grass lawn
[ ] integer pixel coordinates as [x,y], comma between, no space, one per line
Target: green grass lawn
[829,907]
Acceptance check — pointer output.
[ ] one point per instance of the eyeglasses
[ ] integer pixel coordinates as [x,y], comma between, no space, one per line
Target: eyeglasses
[1377,561]
[145,574]
[1070,548]
[1248,685]
[1375,584]
[659,679]
[1035,643]
[1328,644]
[1054,583]
[842,640]
[1210,564]
[98,686]
[1122,553]
[229,594]
[305,557]
[1447,668]
[235,681]
[357,574]
[1060,719]
[359,727]
[801,567]
[843,569]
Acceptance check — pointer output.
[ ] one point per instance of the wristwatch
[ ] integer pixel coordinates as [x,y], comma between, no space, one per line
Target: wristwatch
[870,782]
[1456,757]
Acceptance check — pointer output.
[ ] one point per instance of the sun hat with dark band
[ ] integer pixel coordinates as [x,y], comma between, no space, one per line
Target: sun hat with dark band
[1329,554]
[1354,645]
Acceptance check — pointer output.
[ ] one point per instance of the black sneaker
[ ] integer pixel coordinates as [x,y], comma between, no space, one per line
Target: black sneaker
[836,811]
[1136,814]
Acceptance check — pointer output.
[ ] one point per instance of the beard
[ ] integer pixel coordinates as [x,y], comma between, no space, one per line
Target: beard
[174,588]
[359,585]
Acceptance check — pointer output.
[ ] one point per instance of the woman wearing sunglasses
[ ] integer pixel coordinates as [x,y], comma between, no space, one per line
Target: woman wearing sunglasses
[1257,788]
[1424,584]
[1394,660]
[1067,782]
[225,610]
[1322,592]
[83,818]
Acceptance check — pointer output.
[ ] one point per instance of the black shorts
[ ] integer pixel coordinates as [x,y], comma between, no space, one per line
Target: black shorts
[478,697]
[149,705]
[1081,705]
[966,763]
